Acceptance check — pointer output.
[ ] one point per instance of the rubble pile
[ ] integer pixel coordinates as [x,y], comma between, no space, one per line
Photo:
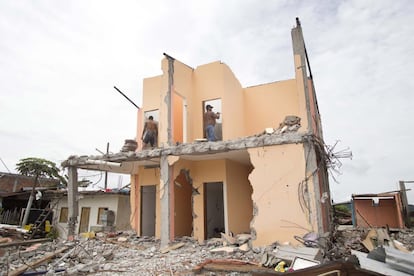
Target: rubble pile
[120,253]
[125,253]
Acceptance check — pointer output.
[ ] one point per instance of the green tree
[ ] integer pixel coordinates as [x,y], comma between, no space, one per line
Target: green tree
[37,168]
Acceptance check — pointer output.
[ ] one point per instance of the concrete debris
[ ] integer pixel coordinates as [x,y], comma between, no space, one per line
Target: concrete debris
[228,239]
[125,253]
[129,145]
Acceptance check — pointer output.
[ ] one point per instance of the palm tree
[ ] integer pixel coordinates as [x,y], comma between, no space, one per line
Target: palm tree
[37,168]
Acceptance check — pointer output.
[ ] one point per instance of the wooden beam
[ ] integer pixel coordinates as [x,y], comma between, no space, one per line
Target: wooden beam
[36,263]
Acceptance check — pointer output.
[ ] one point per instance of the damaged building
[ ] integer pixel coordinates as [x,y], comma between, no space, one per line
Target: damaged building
[266,175]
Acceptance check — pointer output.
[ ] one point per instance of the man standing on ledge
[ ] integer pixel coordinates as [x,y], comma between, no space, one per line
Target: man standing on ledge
[209,122]
[150,132]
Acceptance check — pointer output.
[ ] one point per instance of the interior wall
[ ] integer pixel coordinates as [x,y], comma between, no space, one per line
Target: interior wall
[178,118]
[278,172]
[183,84]
[270,103]
[239,197]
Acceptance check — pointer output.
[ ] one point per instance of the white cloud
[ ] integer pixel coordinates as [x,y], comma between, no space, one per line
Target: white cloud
[60,60]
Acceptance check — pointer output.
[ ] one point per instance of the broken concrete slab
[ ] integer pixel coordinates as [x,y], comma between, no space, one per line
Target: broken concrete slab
[244,247]
[287,252]
[227,249]
[228,239]
[172,247]
[243,238]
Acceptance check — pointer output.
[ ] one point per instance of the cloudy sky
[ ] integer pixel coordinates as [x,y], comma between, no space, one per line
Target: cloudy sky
[59,62]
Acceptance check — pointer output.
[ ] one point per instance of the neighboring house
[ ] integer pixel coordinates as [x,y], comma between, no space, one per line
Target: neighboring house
[99,211]
[14,193]
[378,210]
[272,184]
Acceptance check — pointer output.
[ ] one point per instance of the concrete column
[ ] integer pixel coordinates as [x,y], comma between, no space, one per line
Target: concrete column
[299,50]
[165,200]
[73,208]
[168,98]
[406,211]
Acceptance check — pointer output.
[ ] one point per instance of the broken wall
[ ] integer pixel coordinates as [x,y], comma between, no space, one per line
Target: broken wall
[284,203]
[267,105]
[239,197]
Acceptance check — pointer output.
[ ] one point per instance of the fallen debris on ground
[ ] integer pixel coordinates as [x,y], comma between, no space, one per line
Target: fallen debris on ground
[125,253]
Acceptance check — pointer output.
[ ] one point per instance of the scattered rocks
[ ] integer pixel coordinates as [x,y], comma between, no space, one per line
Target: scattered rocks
[128,254]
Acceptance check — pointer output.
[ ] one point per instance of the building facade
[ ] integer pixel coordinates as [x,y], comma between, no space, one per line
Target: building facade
[266,175]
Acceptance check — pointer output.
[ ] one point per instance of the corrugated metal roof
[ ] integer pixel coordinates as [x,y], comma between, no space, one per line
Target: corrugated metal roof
[399,260]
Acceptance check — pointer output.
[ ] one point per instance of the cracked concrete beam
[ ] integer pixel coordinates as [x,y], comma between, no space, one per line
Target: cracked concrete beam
[195,148]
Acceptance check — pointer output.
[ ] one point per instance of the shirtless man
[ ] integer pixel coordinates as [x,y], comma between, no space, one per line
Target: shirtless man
[209,122]
[150,132]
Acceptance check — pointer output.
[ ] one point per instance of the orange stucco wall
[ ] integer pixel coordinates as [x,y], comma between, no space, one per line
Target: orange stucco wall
[239,201]
[277,173]
[245,111]
[208,84]
[151,96]
[267,105]
[183,88]
[263,193]
[177,118]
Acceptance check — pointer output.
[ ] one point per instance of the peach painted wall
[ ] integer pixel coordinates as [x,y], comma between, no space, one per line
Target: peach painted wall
[208,85]
[140,128]
[278,171]
[267,105]
[177,118]
[183,86]
[151,93]
[233,108]
[239,197]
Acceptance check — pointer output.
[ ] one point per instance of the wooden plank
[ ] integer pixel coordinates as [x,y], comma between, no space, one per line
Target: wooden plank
[36,263]
[17,243]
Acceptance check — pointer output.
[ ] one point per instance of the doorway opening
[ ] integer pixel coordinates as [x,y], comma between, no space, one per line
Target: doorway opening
[148,196]
[214,210]
[84,220]
[218,128]
[156,117]
[183,209]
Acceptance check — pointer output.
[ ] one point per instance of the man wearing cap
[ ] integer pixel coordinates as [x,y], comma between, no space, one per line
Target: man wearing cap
[209,122]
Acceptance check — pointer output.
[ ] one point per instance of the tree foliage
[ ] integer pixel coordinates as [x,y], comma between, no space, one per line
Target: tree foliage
[38,167]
